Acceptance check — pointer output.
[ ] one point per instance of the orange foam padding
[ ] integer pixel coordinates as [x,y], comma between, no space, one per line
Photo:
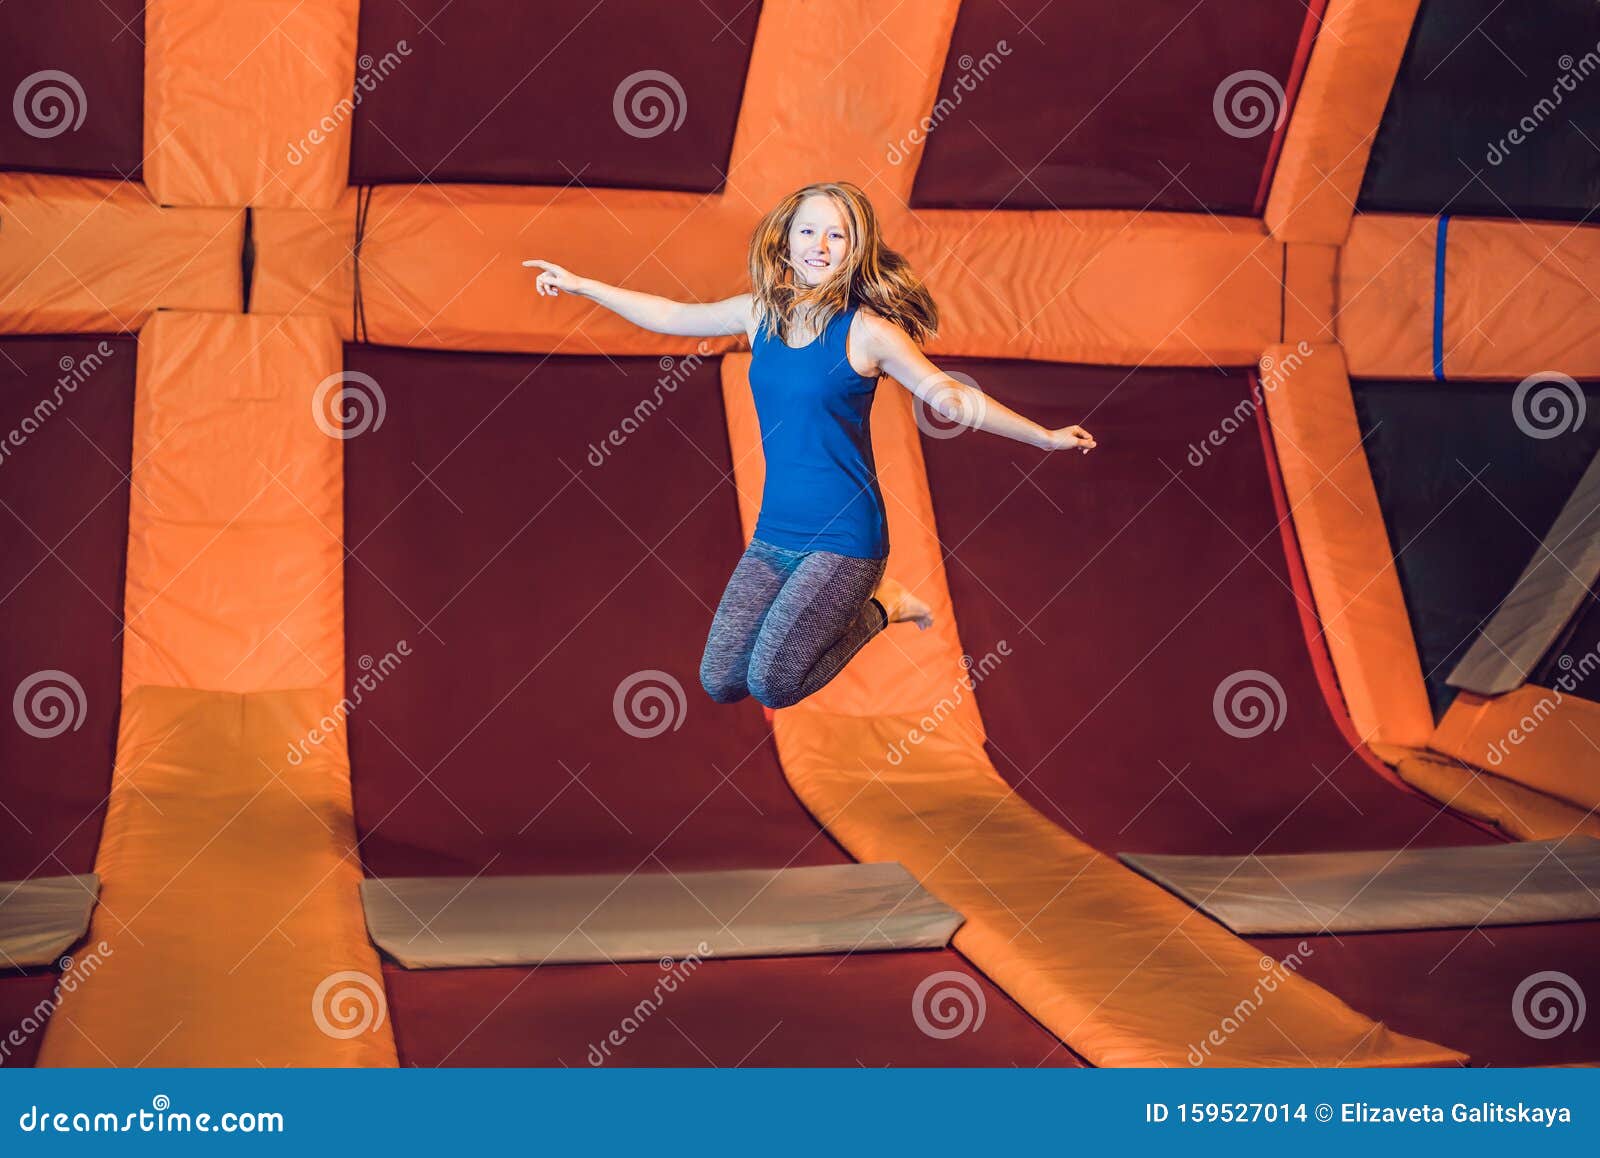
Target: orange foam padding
[1344,543]
[1123,972]
[1084,286]
[441,264]
[1513,808]
[890,758]
[1353,65]
[441,268]
[1538,737]
[235,580]
[249,104]
[229,908]
[88,256]
[305,262]
[813,113]
[1308,292]
[1519,298]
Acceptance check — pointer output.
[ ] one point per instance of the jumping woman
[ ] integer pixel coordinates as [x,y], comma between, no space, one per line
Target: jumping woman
[831,310]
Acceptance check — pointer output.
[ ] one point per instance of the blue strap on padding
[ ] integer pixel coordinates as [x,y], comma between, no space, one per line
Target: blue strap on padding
[1438,297]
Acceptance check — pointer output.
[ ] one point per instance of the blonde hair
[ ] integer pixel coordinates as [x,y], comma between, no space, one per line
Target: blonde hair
[872,274]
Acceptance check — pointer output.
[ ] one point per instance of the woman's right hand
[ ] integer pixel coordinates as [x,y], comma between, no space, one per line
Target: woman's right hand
[555,279]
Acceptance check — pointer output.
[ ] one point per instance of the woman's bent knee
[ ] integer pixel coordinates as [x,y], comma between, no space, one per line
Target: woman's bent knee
[774,689]
[721,689]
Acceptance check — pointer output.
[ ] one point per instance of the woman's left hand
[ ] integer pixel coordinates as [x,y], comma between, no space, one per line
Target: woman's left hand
[1069,437]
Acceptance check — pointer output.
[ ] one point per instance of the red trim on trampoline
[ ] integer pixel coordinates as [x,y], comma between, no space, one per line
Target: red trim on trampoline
[1316,643]
[1291,93]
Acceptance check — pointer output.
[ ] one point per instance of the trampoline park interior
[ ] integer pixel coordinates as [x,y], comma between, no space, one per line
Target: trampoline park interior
[354,594]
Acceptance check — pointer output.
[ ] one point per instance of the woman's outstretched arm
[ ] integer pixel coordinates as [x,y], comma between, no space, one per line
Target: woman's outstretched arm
[663,315]
[898,356]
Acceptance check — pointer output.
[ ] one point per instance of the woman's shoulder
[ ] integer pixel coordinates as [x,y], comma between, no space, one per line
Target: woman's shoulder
[876,330]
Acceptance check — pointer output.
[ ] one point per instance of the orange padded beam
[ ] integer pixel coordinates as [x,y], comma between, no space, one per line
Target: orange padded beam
[440,265]
[1538,737]
[1514,808]
[1519,298]
[305,262]
[890,758]
[228,900]
[235,556]
[1309,274]
[1345,544]
[250,103]
[82,256]
[441,268]
[829,86]
[1353,65]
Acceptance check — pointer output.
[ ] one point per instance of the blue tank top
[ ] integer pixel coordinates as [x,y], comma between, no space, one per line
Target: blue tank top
[821,491]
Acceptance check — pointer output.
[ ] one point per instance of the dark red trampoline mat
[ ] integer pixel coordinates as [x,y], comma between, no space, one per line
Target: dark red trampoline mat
[1104,106]
[99,44]
[501,437]
[470,96]
[547,583]
[65,536]
[1129,568]
[20,995]
[780,1011]
[1457,986]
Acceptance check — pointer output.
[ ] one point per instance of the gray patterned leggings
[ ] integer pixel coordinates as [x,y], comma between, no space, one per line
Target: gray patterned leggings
[788,623]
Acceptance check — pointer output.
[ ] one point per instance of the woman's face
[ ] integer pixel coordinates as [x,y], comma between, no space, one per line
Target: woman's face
[818,239]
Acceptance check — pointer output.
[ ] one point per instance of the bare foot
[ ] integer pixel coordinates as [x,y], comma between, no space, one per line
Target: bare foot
[901,605]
